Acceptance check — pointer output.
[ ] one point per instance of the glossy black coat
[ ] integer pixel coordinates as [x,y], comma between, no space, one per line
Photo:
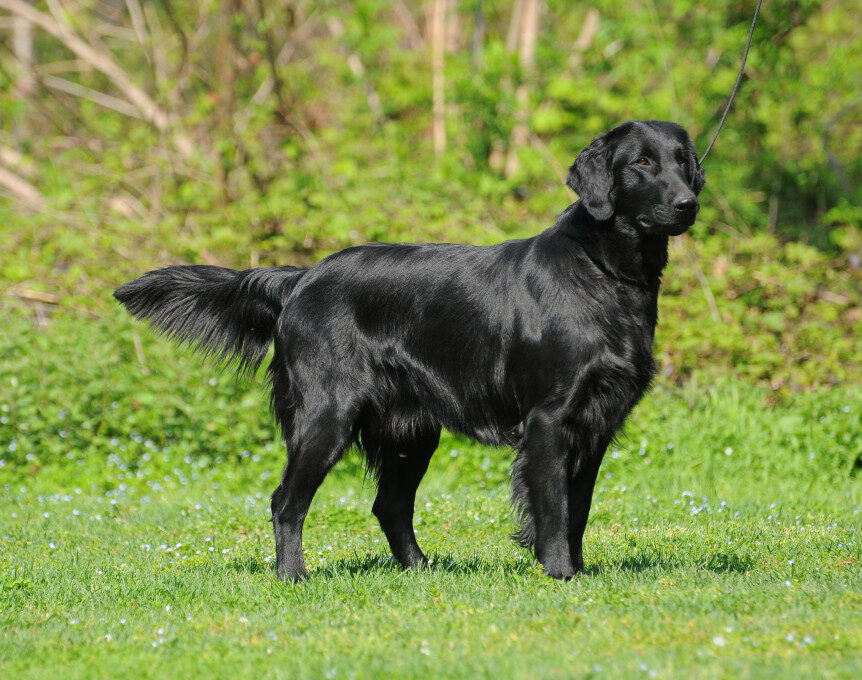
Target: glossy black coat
[542,344]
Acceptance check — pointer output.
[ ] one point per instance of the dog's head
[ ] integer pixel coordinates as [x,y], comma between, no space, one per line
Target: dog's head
[646,171]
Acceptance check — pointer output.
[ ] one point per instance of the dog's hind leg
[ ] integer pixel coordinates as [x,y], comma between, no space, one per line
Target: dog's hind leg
[314,444]
[402,467]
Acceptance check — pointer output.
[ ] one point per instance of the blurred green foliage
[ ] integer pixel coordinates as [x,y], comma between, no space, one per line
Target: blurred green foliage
[337,150]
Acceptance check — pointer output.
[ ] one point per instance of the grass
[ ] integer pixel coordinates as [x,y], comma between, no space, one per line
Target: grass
[724,538]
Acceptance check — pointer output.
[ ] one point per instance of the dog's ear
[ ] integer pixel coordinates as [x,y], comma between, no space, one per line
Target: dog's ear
[696,178]
[591,178]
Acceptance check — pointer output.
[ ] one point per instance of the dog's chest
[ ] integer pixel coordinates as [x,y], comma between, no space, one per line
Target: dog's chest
[622,330]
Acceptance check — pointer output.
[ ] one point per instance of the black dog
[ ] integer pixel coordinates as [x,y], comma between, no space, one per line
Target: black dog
[543,344]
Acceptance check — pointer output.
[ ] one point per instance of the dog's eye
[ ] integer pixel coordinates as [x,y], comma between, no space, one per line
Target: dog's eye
[643,160]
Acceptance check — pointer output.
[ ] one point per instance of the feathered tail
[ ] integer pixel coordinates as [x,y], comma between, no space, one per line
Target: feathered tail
[225,313]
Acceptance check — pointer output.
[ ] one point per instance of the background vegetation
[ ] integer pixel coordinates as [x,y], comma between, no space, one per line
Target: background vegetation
[251,132]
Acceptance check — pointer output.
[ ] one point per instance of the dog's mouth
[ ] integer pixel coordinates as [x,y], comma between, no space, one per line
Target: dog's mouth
[649,225]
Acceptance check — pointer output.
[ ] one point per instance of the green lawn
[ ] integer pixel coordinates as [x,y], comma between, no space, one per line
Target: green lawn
[724,538]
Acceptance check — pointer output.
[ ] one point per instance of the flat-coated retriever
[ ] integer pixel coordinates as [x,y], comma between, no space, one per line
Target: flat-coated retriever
[543,344]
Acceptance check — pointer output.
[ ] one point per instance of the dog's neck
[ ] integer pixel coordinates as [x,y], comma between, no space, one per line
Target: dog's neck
[617,247]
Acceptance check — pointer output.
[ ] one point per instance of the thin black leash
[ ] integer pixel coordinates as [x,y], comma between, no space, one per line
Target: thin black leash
[738,80]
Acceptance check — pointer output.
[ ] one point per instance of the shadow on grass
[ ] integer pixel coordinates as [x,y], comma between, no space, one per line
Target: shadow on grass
[718,563]
[371,564]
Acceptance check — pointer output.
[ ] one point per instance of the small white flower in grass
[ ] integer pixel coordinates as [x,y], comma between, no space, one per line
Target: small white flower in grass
[243,619]
[73,621]
[424,648]
[728,451]
[51,545]
[123,622]
[225,551]
[790,637]
[719,641]
[167,607]
[787,583]
[808,639]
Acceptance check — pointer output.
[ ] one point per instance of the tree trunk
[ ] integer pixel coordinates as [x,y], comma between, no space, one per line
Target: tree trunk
[529,29]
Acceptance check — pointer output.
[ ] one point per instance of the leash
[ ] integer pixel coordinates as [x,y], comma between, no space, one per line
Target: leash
[738,80]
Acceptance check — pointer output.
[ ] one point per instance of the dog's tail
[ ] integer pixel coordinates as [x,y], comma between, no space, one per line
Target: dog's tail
[227,314]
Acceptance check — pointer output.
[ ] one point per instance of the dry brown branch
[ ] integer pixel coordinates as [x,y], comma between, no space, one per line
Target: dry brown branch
[529,33]
[22,45]
[558,168]
[21,189]
[42,298]
[105,63]
[694,259]
[668,62]
[585,38]
[354,63]
[477,40]
[136,14]
[100,98]
[514,27]
[529,25]
[287,50]
[184,41]
[15,159]
[272,59]
[139,351]
[438,48]
[408,24]
[54,68]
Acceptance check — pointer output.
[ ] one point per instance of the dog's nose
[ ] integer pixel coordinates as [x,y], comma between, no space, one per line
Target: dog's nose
[685,203]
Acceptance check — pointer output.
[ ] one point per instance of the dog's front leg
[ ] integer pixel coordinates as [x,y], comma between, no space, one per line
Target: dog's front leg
[546,471]
[581,486]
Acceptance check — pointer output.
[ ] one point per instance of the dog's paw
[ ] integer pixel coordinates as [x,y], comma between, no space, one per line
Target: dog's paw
[560,569]
[294,575]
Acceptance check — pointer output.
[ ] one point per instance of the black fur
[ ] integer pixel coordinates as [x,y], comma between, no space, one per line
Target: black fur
[544,344]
